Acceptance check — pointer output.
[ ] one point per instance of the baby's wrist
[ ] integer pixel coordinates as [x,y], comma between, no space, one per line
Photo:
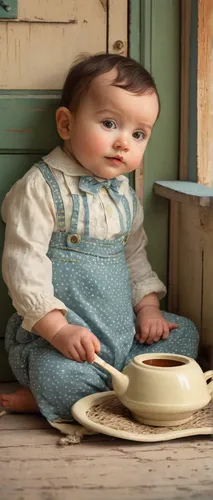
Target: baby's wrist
[148,309]
[150,300]
[50,325]
[63,331]
[149,305]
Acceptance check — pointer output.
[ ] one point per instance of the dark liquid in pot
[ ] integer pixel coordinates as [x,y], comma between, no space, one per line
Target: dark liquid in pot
[163,362]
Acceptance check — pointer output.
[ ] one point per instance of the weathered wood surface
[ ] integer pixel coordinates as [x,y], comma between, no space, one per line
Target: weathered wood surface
[204,92]
[189,193]
[190,264]
[55,11]
[174,227]
[186,6]
[190,277]
[39,46]
[33,466]
[118,27]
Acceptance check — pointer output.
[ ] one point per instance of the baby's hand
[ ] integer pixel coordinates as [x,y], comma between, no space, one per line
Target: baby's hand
[77,343]
[151,326]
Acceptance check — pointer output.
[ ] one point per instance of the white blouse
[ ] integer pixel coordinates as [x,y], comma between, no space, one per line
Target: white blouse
[29,213]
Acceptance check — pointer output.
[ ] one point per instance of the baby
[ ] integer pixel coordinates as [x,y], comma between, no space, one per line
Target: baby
[74,258]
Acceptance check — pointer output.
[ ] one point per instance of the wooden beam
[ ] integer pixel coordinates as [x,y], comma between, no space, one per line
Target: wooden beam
[204,84]
[118,27]
[184,90]
[185,192]
[173,283]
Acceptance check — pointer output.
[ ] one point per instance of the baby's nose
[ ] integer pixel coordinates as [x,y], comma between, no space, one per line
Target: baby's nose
[121,143]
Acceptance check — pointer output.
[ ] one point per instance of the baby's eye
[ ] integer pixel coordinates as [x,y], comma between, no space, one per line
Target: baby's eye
[109,124]
[139,135]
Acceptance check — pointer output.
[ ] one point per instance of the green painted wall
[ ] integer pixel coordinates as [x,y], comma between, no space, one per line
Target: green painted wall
[27,131]
[155,42]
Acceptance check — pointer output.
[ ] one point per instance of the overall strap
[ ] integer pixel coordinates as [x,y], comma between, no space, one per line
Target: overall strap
[129,217]
[134,201]
[126,205]
[121,219]
[75,214]
[86,216]
[128,214]
[56,194]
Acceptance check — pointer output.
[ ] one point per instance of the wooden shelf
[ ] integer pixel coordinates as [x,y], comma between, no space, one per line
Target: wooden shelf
[185,192]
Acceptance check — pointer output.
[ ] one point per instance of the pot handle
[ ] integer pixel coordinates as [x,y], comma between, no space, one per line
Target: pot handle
[209,375]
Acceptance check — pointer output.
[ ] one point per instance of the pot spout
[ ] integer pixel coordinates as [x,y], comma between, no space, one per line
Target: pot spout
[120,384]
[120,381]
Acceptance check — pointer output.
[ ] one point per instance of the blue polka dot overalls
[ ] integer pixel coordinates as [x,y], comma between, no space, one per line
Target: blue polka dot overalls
[91,277]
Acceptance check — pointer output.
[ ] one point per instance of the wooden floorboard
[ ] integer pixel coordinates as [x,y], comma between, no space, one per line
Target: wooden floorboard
[33,466]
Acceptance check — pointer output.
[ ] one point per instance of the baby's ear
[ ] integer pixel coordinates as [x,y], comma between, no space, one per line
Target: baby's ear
[64,122]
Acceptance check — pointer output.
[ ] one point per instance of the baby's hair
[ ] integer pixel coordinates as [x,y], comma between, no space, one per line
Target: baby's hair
[131,76]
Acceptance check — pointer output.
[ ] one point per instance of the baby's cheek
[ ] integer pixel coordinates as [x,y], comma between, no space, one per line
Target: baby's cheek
[135,162]
[137,158]
[96,144]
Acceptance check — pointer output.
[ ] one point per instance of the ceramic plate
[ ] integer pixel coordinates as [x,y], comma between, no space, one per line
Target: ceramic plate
[80,409]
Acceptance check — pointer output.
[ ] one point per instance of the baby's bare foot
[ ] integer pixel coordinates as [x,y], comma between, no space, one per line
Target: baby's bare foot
[21,401]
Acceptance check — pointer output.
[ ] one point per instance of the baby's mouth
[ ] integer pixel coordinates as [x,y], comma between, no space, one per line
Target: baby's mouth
[115,159]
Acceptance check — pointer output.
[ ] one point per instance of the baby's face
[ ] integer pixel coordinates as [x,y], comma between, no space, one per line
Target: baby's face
[111,128]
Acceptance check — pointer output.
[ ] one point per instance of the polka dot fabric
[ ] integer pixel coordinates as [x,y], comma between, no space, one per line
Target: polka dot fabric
[91,277]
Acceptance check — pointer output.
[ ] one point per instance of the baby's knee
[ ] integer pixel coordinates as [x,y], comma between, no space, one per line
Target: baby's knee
[57,382]
[49,370]
[185,337]
[53,383]
[189,329]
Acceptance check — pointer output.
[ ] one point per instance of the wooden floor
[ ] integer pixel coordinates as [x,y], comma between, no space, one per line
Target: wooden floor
[34,467]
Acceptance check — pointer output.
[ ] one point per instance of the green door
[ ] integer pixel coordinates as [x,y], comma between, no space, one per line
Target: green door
[27,131]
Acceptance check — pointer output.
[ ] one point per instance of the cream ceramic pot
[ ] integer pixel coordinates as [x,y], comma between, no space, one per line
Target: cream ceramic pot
[161,389]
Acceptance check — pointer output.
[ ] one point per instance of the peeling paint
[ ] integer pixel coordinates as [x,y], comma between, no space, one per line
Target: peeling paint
[38,20]
[39,27]
[104,4]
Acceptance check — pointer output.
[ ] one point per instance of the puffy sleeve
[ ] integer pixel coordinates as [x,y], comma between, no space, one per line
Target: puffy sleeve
[29,214]
[143,279]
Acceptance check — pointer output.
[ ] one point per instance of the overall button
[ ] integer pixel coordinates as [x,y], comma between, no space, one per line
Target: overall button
[74,239]
[126,238]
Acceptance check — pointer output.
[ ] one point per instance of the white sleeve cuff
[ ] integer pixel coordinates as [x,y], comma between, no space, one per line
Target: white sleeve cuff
[38,313]
[140,290]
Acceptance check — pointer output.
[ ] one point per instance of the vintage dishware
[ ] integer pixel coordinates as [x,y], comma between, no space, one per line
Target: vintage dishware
[161,389]
[200,423]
